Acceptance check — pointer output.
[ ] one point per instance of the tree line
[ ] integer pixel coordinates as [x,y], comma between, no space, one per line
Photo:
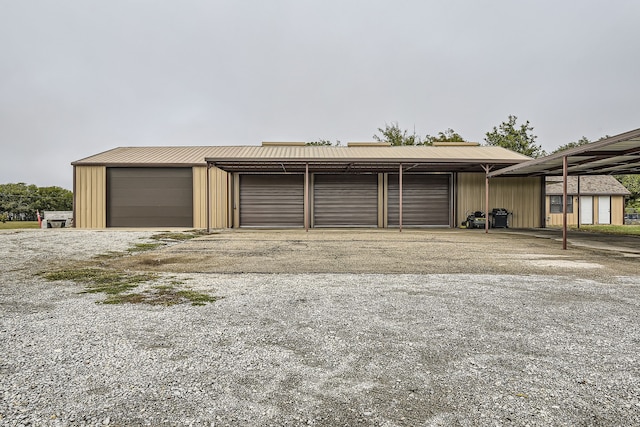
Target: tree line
[19,202]
[509,134]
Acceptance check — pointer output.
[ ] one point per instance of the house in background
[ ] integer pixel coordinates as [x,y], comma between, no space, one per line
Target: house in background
[601,200]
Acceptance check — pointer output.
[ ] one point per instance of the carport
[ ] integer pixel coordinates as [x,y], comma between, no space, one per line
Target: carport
[615,155]
[344,183]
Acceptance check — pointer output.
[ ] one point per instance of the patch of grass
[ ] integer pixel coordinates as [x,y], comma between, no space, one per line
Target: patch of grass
[117,285]
[134,298]
[17,225]
[196,298]
[168,235]
[141,247]
[98,280]
[162,295]
[121,287]
[627,230]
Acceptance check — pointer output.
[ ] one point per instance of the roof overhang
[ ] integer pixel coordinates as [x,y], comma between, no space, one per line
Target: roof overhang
[287,165]
[615,155]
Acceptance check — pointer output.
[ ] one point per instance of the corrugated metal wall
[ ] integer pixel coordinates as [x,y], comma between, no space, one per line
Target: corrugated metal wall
[522,196]
[90,196]
[345,200]
[219,198]
[271,201]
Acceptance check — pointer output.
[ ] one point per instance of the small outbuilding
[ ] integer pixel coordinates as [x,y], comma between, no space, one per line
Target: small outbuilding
[282,185]
[591,199]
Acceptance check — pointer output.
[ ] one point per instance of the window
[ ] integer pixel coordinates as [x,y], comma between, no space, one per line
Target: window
[556,204]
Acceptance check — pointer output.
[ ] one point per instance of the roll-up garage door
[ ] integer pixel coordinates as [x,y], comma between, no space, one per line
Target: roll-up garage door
[149,197]
[271,200]
[345,201]
[426,200]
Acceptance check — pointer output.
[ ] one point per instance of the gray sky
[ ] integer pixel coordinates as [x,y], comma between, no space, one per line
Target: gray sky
[78,77]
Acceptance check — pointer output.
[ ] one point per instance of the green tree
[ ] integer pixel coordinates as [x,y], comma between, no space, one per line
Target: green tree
[54,199]
[23,200]
[582,141]
[448,135]
[631,183]
[515,138]
[396,136]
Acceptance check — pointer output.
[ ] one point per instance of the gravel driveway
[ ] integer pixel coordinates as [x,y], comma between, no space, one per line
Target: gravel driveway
[519,334]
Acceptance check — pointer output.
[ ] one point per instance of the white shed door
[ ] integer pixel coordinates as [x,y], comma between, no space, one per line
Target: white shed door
[586,209]
[604,210]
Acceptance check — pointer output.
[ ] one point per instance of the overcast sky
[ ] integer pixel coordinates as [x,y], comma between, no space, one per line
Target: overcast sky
[78,77]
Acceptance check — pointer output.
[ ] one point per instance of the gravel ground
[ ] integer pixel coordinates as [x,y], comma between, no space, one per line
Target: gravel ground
[556,344]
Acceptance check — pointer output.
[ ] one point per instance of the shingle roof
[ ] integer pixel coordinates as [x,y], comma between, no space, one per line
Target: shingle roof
[589,185]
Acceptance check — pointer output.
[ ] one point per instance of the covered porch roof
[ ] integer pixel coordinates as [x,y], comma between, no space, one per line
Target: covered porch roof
[362,159]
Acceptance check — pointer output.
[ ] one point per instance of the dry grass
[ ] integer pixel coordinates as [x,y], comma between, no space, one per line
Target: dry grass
[98,280]
[121,285]
[17,225]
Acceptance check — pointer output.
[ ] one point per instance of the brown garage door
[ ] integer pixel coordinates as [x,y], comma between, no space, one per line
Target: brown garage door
[425,200]
[345,201]
[271,200]
[149,197]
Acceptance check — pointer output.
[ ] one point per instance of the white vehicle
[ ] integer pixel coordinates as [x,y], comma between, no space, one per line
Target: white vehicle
[57,219]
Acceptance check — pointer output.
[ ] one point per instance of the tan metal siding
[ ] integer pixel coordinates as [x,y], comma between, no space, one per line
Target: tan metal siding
[522,196]
[555,219]
[90,197]
[218,198]
[219,185]
[200,196]
[617,210]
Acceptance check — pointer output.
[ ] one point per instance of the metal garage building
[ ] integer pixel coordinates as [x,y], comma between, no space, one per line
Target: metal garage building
[282,185]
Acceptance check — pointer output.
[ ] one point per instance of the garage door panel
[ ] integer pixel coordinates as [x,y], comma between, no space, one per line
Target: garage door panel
[162,197]
[272,201]
[425,200]
[149,197]
[345,201]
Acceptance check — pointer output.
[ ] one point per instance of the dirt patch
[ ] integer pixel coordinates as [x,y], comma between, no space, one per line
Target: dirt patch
[376,251]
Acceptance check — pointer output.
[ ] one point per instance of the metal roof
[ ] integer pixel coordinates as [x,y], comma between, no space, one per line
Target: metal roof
[294,158]
[589,185]
[616,155]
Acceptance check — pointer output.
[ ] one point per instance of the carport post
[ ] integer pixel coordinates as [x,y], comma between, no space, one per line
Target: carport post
[208,199]
[564,202]
[487,169]
[400,196]
[486,202]
[306,197]
[579,213]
